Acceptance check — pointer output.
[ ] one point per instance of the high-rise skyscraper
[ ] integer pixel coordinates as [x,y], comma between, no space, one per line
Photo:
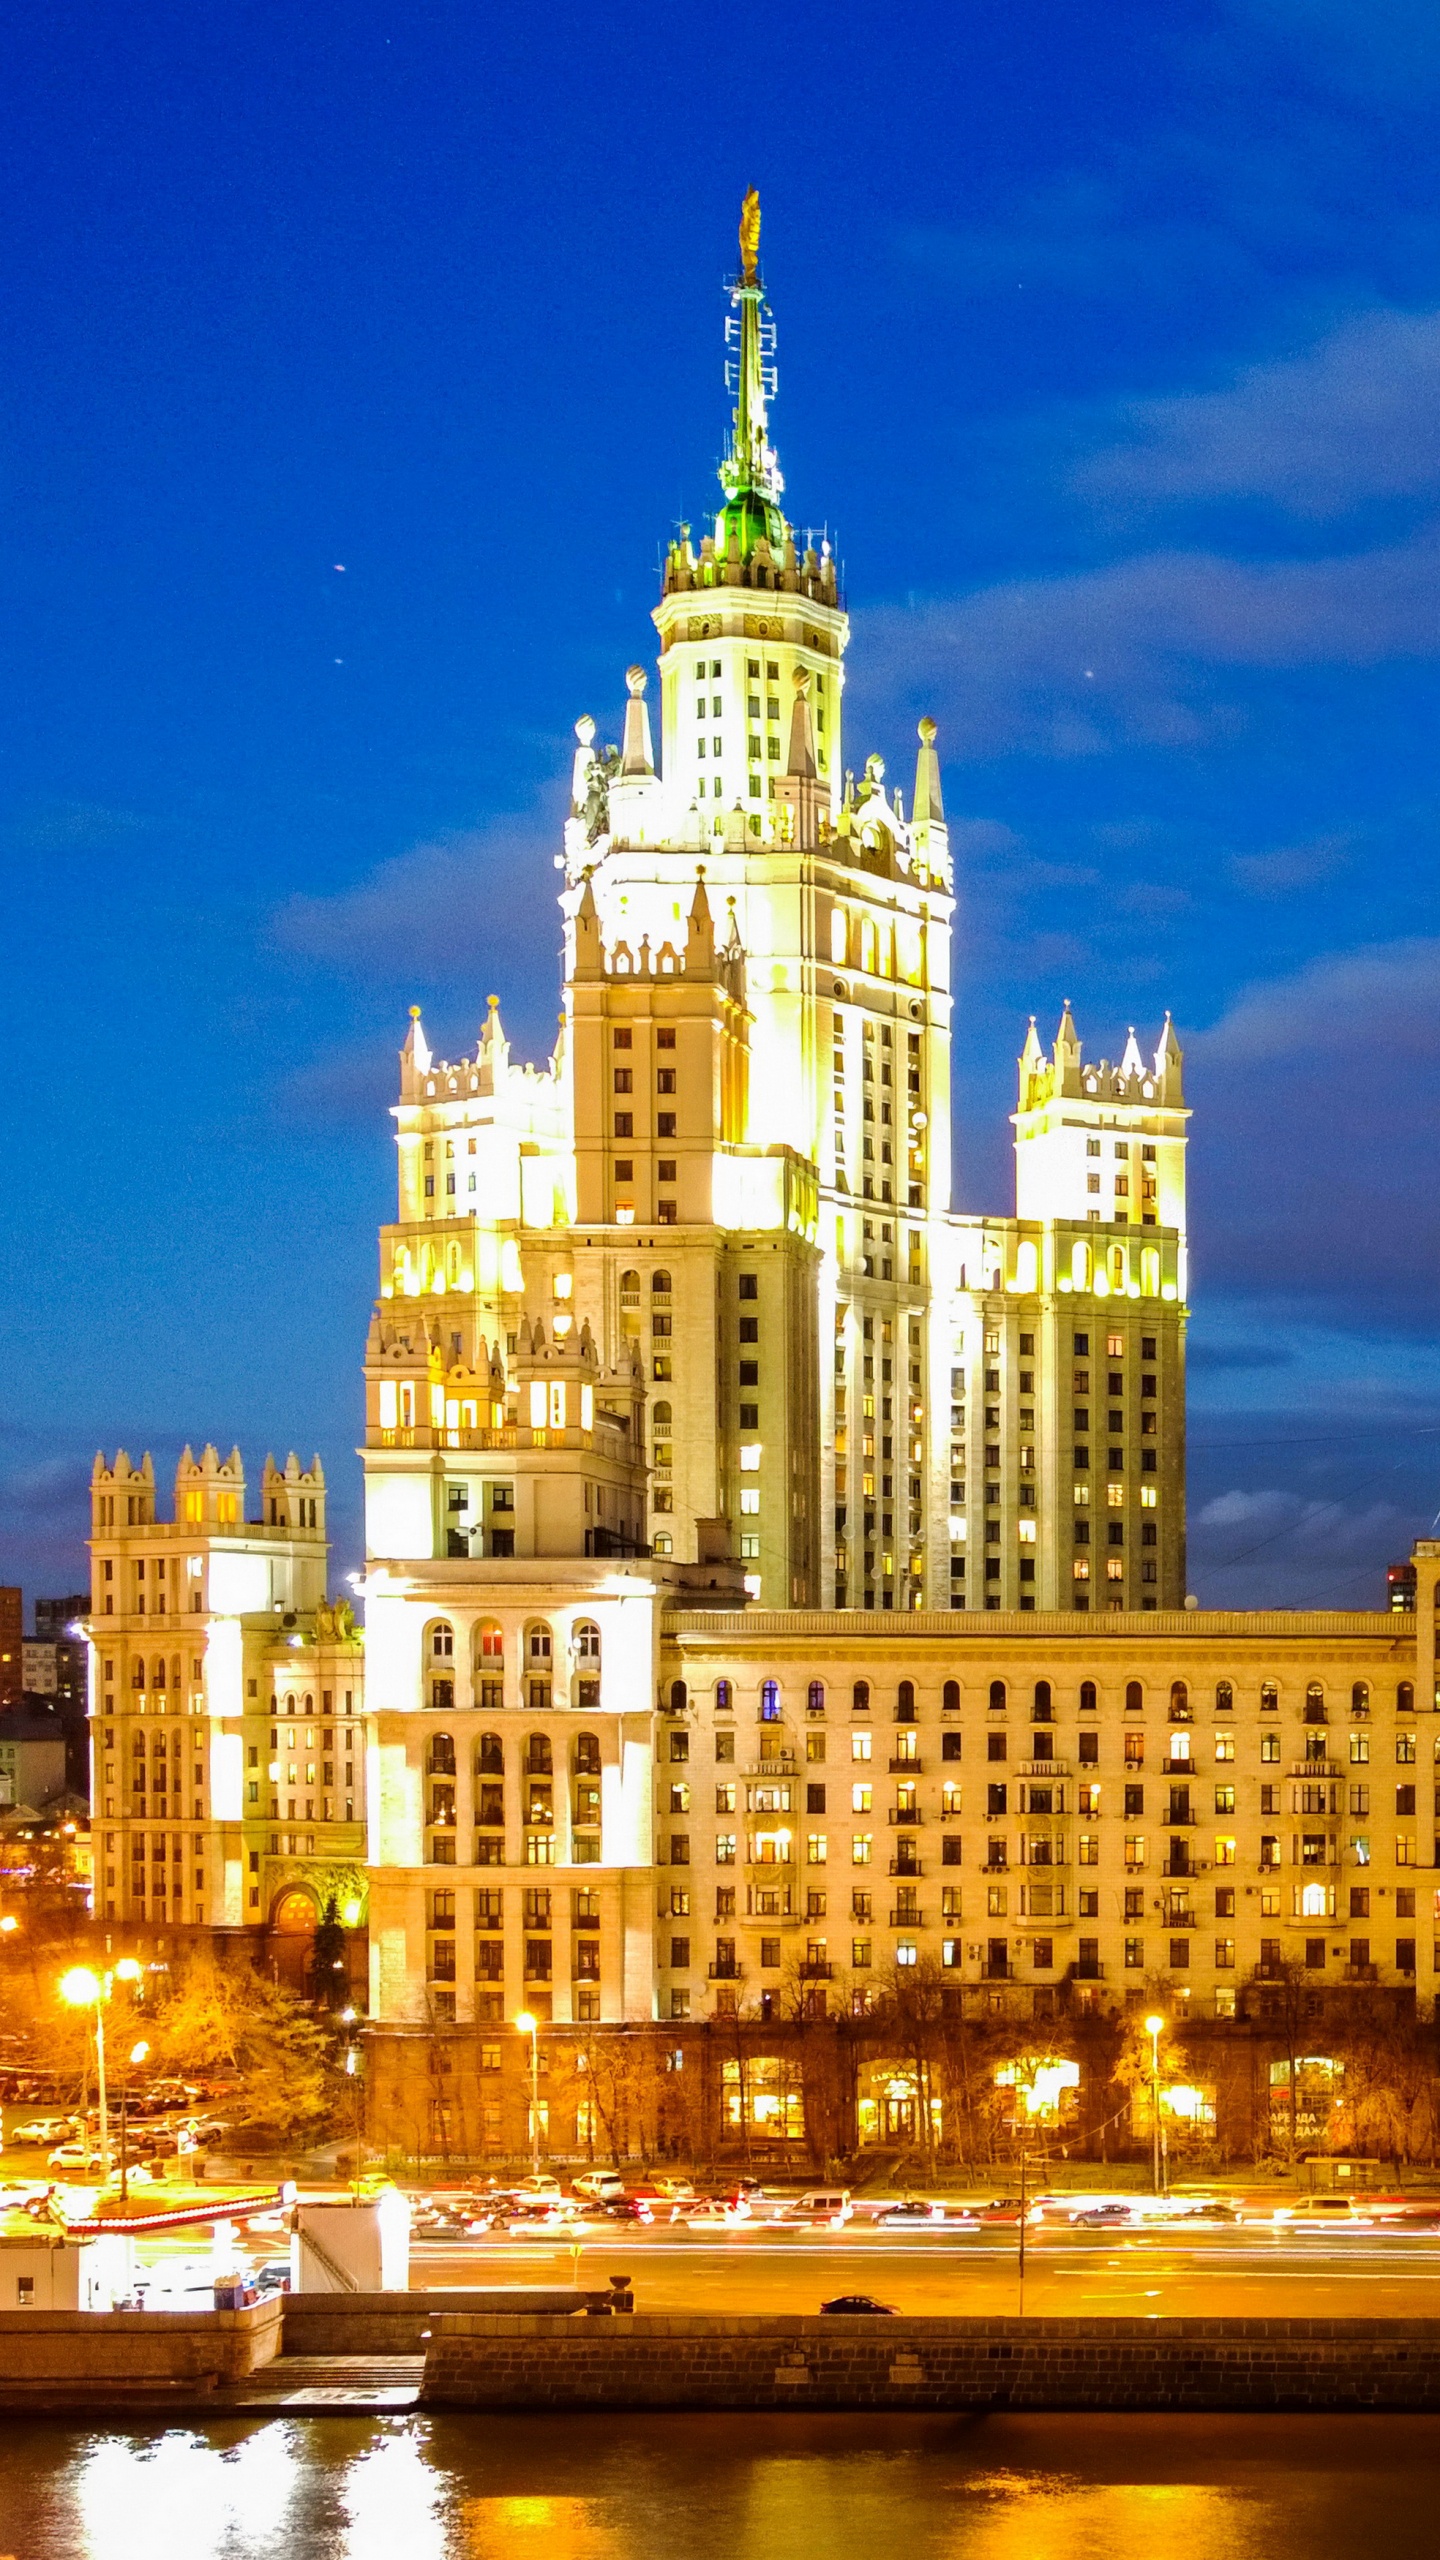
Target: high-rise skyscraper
[736,1166]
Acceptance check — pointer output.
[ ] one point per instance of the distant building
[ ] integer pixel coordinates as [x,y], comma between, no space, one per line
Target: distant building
[12,1642]
[32,1760]
[54,1659]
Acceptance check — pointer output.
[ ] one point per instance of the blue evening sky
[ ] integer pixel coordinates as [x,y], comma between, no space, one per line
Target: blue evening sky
[356,362]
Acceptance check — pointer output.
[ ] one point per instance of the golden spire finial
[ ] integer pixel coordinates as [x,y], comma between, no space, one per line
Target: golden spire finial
[750,235]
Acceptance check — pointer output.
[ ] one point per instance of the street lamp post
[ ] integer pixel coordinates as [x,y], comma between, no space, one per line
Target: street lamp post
[1154,2028]
[138,2053]
[530,2026]
[82,1989]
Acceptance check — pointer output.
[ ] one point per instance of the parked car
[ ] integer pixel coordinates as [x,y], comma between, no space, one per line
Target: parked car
[44,2129]
[599,2186]
[848,2303]
[76,2159]
[673,2187]
[550,2188]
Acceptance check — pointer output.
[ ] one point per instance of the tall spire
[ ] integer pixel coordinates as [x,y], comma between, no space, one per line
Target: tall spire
[750,473]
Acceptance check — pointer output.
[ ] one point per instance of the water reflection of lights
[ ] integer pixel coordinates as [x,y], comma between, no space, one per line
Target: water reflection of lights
[135,2498]
[394,2499]
[547,2528]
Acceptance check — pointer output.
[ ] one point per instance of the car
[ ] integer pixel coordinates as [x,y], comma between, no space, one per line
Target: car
[848,2304]
[75,2157]
[1007,2209]
[675,2188]
[625,2209]
[532,2188]
[43,2129]
[707,2213]
[1103,2217]
[598,2186]
[271,2276]
[910,2212]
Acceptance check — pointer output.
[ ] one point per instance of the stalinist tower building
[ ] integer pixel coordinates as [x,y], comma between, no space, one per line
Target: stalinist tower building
[734,1172]
[775,1583]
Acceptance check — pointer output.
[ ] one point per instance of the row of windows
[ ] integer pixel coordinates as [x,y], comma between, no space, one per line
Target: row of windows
[1042,1704]
[536,1761]
[537,1643]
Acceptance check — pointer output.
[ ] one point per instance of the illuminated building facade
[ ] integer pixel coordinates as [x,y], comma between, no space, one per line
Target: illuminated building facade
[775,1578]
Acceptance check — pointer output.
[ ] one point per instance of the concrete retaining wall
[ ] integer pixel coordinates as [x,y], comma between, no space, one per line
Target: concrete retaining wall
[134,2348]
[816,2363]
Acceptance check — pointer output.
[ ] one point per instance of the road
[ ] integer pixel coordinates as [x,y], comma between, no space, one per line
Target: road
[1351,2275]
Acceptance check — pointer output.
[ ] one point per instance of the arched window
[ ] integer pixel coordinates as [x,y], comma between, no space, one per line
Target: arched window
[680,1697]
[158,1676]
[137,1676]
[1027,1268]
[490,1644]
[997,1697]
[950,1698]
[1079,1266]
[659,1284]
[1179,1702]
[1314,1901]
[309,1703]
[1044,1708]
[629,1288]
[539,1645]
[860,1698]
[587,1755]
[1360,1698]
[1405,1698]
[539,1758]
[1224,1698]
[1315,1702]
[587,1643]
[769,1701]
[905,1702]
[1134,1698]
[1269,1697]
[139,1746]
[815,1698]
[441,1760]
[660,1417]
[1088,1698]
[490,1755]
[724,1697]
[442,1642]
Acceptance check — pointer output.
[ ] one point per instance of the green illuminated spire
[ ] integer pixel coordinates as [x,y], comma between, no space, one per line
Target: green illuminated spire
[750,474]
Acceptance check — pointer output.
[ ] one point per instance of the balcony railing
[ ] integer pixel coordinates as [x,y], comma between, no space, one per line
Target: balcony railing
[908,1920]
[906,1867]
[1085,1969]
[906,1768]
[1315,1769]
[726,1972]
[813,1970]
[906,1813]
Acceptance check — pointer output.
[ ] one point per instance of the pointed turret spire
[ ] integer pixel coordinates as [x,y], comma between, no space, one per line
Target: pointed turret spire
[928,804]
[700,932]
[416,1052]
[802,739]
[637,756]
[750,474]
[589,960]
[1132,1064]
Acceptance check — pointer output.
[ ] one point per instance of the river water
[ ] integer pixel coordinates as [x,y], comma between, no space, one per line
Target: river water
[709,2488]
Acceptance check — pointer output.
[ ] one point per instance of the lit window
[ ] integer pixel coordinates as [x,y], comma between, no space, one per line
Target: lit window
[750,1458]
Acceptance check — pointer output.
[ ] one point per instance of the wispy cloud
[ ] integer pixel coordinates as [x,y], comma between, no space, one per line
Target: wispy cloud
[1288,867]
[462,908]
[1128,654]
[1317,1102]
[1350,420]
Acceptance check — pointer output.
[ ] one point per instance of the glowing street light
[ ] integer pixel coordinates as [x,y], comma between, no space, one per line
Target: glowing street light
[1155,2028]
[82,1989]
[8,1925]
[530,2026]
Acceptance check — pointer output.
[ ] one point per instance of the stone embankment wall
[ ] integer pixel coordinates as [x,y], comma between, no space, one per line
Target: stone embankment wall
[133,2349]
[400,2324]
[477,2362]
